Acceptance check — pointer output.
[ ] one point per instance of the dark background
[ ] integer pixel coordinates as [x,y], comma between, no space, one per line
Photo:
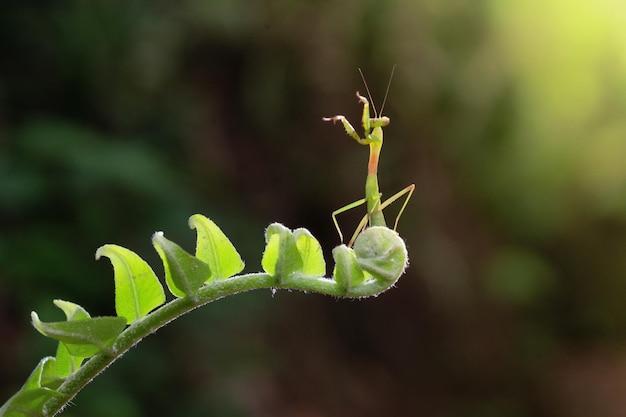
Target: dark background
[120,118]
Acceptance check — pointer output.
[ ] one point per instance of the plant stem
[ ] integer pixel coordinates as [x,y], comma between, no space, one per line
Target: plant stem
[180,306]
[150,324]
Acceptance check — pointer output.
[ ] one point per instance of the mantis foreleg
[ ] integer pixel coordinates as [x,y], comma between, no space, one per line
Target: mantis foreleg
[348,127]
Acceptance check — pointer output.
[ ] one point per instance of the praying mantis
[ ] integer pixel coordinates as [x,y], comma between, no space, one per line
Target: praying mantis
[373,137]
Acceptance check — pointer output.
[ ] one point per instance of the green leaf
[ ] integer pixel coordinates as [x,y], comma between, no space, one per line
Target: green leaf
[281,257]
[66,363]
[45,370]
[50,377]
[27,403]
[184,273]
[72,311]
[29,400]
[381,252]
[214,248]
[347,272]
[35,391]
[311,253]
[137,289]
[84,338]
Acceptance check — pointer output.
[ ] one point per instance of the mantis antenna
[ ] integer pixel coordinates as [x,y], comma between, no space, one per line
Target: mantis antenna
[369,95]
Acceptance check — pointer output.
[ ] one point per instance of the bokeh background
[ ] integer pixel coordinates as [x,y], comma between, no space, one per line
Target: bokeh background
[119,118]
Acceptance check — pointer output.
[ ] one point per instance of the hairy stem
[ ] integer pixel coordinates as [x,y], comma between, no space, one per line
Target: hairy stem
[180,306]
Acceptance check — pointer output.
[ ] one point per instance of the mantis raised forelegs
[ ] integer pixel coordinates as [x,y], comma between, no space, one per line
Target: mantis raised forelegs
[373,136]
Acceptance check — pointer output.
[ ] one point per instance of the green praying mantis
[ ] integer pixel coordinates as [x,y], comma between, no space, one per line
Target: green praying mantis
[373,137]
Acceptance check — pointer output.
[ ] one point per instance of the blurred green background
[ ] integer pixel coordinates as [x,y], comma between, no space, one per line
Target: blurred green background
[120,118]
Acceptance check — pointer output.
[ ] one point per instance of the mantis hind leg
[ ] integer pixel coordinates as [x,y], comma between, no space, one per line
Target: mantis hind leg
[361,227]
[343,210]
[407,190]
[362,224]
